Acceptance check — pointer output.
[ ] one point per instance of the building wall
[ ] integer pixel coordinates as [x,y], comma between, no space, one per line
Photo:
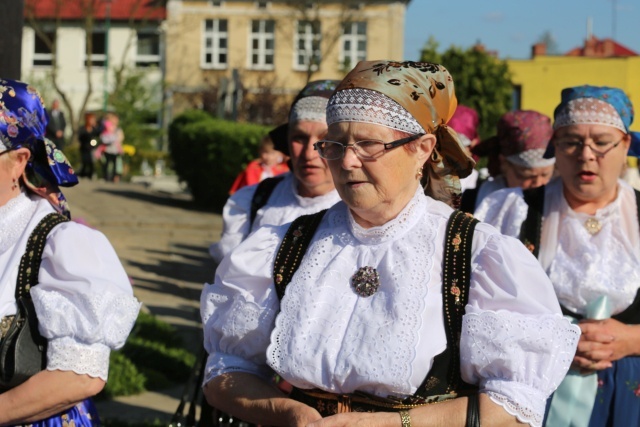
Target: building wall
[184,35]
[72,72]
[543,78]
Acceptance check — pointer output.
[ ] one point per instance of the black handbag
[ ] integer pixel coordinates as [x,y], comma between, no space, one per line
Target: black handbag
[23,350]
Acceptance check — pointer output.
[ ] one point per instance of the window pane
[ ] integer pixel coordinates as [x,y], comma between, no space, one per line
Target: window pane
[362,28]
[98,40]
[270,43]
[301,60]
[208,24]
[268,59]
[148,44]
[208,58]
[362,45]
[223,43]
[301,44]
[254,44]
[347,45]
[254,59]
[223,58]
[270,26]
[208,43]
[41,46]
[222,25]
[255,26]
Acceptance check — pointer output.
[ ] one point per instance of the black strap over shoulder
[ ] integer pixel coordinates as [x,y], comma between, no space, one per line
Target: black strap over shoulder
[262,194]
[456,279]
[30,261]
[532,225]
[292,249]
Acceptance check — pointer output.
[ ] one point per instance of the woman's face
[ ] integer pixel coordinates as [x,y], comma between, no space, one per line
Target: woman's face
[377,190]
[589,178]
[310,170]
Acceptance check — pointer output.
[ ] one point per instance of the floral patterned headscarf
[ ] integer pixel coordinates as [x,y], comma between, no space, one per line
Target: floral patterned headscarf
[426,92]
[23,120]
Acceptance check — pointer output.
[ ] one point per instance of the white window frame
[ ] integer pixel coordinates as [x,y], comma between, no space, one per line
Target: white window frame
[147,59]
[353,54]
[215,35]
[308,37]
[49,57]
[262,37]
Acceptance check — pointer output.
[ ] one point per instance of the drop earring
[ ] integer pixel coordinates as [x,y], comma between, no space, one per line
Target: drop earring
[419,174]
[15,184]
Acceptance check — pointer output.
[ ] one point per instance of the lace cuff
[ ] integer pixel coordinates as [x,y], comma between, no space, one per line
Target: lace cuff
[220,363]
[65,354]
[498,390]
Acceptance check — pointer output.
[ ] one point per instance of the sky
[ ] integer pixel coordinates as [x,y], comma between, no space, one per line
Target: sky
[511,27]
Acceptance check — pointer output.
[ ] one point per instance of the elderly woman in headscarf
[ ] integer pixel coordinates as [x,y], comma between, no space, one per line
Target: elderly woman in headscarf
[583,227]
[390,300]
[68,273]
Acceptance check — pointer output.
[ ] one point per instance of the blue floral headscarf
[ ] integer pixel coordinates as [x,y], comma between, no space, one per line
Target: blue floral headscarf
[23,120]
[612,96]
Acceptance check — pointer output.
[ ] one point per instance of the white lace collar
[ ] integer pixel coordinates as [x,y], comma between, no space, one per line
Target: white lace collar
[14,217]
[395,228]
[307,202]
[604,214]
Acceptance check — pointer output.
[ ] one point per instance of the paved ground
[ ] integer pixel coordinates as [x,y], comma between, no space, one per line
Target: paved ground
[162,241]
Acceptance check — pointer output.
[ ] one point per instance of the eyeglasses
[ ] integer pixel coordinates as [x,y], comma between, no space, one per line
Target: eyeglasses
[368,149]
[572,146]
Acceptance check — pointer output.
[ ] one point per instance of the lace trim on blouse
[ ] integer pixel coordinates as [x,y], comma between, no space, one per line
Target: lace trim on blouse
[14,217]
[393,229]
[588,266]
[524,345]
[65,354]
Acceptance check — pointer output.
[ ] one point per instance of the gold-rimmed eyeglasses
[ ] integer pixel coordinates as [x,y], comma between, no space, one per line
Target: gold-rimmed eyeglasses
[572,146]
[368,149]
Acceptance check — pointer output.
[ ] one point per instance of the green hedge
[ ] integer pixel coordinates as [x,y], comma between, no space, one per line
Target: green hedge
[153,358]
[208,154]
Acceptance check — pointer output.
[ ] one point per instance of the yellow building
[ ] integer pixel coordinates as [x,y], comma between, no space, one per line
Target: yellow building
[539,81]
[263,52]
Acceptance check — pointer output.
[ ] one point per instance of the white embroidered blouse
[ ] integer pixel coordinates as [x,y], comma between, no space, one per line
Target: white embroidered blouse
[284,205]
[84,301]
[581,266]
[514,344]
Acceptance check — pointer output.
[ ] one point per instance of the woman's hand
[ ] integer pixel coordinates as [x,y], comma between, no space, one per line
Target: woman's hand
[604,341]
[360,419]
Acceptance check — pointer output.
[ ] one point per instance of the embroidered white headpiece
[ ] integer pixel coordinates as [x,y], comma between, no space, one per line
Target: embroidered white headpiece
[588,111]
[310,109]
[370,106]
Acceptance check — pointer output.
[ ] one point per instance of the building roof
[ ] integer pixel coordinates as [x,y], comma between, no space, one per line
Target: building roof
[120,10]
[601,48]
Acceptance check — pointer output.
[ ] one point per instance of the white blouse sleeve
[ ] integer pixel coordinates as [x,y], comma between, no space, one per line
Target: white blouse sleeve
[238,310]
[84,300]
[505,209]
[515,343]
[236,224]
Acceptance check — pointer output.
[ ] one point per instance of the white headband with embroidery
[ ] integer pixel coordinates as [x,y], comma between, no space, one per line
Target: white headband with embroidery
[370,106]
[309,109]
[589,111]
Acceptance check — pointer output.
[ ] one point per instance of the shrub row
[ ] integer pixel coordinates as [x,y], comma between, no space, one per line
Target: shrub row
[208,154]
[154,357]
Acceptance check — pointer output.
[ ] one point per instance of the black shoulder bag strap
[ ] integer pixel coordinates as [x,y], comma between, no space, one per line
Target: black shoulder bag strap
[444,377]
[262,194]
[532,225]
[292,249]
[23,354]
[30,261]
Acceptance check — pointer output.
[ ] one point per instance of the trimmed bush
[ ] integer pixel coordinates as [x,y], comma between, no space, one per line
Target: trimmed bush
[208,154]
[153,358]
